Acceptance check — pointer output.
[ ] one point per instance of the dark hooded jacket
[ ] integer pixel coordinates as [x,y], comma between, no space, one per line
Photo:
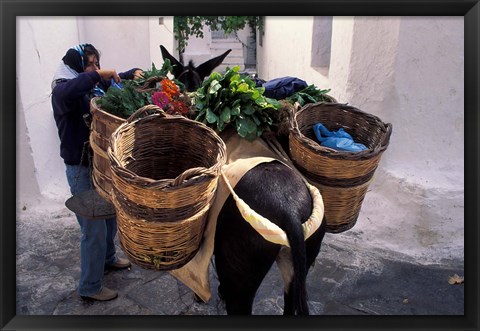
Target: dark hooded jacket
[70,101]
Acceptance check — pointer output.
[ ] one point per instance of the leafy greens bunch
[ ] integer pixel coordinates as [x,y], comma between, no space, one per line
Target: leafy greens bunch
[125,101]
[310,94]
[233,99]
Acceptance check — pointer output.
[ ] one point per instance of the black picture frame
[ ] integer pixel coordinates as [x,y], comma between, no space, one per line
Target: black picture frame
[11,9]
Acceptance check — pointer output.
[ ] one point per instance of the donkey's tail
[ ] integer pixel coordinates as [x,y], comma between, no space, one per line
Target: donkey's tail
[292,263]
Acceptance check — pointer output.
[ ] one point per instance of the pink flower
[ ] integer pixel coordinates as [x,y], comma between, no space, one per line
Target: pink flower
[160,99]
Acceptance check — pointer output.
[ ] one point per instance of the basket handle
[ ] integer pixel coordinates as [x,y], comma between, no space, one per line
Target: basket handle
[192,172]
[293,121]
[388,133]
[296,107]
[145,110]
[148,82]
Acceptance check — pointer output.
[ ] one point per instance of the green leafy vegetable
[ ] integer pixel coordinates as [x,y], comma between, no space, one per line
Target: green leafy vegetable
[234,99]
[310,94]
[124,102]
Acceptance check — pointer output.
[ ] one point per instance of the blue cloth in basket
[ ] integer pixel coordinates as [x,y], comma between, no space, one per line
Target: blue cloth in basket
[339,140]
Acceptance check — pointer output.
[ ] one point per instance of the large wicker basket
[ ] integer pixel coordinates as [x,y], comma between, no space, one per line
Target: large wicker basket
[342,177]
[164,175]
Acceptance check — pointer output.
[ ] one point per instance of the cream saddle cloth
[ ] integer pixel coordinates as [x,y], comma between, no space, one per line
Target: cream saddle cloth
[242,156]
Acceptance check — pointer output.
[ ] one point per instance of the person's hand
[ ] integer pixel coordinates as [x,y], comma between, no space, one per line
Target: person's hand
[138,74]
[106,74]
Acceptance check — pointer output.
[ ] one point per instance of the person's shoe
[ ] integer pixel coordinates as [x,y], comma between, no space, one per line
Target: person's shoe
[105,294]
[121,263]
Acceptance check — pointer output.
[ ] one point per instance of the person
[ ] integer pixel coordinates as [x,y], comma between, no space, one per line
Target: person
[78,79]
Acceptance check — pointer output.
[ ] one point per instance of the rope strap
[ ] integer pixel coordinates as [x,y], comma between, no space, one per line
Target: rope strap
[272,232]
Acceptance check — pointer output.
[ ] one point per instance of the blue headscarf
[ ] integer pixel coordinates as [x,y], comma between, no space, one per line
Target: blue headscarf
[72,64]
[75,57]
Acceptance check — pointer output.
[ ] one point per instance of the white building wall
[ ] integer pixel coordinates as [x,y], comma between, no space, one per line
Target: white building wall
[41,43]
[197,49]
[286,48]
[123,42]
[429,76]
[161,33]
[409,72]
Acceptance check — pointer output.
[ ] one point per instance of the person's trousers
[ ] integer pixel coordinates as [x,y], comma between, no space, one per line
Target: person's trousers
[97,247]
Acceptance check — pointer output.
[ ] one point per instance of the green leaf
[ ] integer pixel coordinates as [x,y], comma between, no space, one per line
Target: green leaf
[309,98]
[248,110]
[243,88]
[256,120]
[232,75]
[217,105]
[214,87]
[225,115]
[256,95]
[261,101]
[220,123]
[199,103]
[211,117]
[224,94]
[201,114]
[273,102]
[246,126]
[246,97]
[216,76]
[236,109]
[300,100]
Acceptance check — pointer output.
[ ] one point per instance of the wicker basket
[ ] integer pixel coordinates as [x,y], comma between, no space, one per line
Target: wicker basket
[164,175]
[103,125]
[342,177]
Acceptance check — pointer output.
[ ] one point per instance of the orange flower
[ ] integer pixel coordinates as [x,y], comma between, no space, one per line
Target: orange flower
[169,87]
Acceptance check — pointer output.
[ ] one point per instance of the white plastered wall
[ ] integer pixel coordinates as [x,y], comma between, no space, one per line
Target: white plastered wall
[41,43]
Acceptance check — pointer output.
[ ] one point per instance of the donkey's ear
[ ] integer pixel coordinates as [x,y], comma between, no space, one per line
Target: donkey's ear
[207,67]
[177,66]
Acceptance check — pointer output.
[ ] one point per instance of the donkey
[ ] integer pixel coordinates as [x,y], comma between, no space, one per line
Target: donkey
[191,76]
[242,256]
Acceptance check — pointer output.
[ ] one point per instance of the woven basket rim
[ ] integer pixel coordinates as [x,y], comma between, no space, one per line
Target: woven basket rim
[167,183]
[330,152]
[96,108]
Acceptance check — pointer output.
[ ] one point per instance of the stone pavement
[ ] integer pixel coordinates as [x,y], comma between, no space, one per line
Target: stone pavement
[347,279]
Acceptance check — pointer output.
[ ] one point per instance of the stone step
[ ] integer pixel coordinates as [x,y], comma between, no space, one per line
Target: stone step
[226,44]
[234,53]
[233,59]
[225,40]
